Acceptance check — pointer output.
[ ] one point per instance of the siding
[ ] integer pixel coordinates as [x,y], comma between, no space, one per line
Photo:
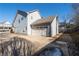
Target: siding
[39,32]
[20,27]
[35,16]
[54,27]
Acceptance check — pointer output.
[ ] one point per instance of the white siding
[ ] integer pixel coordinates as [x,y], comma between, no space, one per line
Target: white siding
[43,30]
[25,25]
[39,32]
[20,27]
[32,17]
[54,27]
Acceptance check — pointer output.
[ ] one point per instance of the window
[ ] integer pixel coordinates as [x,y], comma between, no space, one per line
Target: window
[19,20]
[23,31]
[22,18]
[45,27]
[26,28]
[6,28]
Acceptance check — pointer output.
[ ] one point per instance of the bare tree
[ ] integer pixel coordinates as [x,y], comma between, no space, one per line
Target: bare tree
[76,13]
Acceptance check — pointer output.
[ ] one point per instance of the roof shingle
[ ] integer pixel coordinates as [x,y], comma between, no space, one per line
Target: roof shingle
[43,21]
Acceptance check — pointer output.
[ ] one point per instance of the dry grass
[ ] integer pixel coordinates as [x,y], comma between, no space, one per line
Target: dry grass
[38,41]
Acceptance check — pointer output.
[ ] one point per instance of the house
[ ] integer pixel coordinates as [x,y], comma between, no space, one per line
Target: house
[5,27]
[62,27]
[31,23]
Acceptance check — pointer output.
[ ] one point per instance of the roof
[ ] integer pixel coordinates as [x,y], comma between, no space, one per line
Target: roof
[32,11]
[22,13]
[43,21]
[5,24]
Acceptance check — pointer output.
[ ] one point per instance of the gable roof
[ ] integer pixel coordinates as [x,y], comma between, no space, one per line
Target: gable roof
[43,21]
[5,23]
[21,13]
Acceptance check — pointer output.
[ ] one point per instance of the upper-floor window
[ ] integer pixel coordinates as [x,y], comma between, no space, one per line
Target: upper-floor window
[22,18]
[19,21]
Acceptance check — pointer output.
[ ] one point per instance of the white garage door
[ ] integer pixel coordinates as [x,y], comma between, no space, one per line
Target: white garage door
[39,32]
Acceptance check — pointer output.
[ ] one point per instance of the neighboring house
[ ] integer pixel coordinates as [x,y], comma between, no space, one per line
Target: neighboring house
[5,27]
[31,23]
[62,27]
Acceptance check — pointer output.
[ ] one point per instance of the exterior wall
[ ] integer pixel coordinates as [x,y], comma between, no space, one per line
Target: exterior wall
[57,26]
[32,17]
[39,32]
[54,27]
[24,26]
[20,25]
[48,30]
[43,30]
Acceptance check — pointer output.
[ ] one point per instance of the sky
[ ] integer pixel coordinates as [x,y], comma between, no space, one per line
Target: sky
[63,11]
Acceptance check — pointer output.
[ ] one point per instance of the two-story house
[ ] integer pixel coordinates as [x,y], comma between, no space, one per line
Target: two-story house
[31,23]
